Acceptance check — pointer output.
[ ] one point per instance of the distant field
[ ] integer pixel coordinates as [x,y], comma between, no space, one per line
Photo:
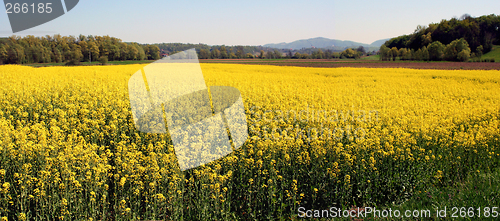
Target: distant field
[330,63]
[371,58]
[365,62]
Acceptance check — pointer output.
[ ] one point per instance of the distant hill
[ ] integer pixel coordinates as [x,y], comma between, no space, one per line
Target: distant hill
[379,42]
[326,43]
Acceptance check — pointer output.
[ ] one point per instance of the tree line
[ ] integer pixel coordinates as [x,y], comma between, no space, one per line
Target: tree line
[457,50]
[221,52]
[211,52]
[259,52]
[450,40]
[72,50]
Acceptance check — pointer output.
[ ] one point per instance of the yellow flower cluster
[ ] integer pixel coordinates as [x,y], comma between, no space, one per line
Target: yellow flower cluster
[69,148]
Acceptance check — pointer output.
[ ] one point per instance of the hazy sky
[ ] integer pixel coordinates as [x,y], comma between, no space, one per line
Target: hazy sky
[251,22]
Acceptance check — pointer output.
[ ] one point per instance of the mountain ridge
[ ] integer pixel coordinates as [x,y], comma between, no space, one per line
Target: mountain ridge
[326,43]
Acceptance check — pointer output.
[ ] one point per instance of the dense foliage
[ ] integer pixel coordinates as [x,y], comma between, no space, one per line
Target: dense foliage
[457,50]
[478,34]
[72,50]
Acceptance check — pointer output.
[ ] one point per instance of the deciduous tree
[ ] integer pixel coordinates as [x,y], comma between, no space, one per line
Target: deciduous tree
[436,51]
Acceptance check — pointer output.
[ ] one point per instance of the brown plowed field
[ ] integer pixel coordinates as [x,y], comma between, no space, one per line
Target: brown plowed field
[324,63]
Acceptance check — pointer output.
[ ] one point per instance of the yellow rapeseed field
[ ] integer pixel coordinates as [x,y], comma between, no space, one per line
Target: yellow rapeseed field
[318,137]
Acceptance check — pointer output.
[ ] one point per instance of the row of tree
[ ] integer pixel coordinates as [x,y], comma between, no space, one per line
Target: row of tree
[245,52]
[457,50]
[478,32]
[70,49]
[223,53]
[73,50]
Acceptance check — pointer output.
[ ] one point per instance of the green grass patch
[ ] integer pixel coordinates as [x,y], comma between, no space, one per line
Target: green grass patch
[371,58]
[471,199]
[494,53]
[479,193]
[129,62]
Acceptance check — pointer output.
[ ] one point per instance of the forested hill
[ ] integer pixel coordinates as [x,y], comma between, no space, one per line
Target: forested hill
[481,31]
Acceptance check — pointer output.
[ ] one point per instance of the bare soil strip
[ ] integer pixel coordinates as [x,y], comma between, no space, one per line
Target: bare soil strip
[324,63]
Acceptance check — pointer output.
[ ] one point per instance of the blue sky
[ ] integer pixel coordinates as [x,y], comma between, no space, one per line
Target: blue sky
[251,22]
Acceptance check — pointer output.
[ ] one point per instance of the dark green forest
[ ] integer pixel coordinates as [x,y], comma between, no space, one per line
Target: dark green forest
[457,39]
